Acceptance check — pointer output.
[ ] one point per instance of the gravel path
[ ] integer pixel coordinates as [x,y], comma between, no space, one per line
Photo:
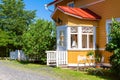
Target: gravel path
[10,73]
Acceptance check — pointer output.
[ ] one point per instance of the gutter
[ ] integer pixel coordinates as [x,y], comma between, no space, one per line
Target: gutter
[46,7]
[51,3]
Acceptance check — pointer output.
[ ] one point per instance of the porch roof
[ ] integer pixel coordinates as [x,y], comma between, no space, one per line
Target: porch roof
[79,13]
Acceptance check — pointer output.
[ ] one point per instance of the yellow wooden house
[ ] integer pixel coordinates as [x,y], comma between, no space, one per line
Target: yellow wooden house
[82,26]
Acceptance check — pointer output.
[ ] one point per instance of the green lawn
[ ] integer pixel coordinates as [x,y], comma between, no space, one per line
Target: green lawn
[65,74]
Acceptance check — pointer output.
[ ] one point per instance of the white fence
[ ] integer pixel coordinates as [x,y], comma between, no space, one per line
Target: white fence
[17,54]
[13,55]
[57,58]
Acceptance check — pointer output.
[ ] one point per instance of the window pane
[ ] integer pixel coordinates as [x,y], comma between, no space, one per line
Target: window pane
[61,38]
[90,41]
[71,4]
[109,30]
[84,41]
[74,41]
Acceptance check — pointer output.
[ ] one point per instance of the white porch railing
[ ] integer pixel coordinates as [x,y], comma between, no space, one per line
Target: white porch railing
[57,58]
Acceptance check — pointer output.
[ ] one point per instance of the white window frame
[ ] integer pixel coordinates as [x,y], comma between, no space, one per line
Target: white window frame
[74,34]
[61,28]
[79,35]
[62,41]
[109,21]
[94,40]
[68,4]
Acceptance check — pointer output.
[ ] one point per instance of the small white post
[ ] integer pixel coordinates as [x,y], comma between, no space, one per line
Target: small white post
[47,57]
[19,55]
[57,62]
[66,57]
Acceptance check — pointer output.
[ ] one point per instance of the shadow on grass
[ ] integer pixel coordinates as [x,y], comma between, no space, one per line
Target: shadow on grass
[23,62]
[105,74]
[32,62]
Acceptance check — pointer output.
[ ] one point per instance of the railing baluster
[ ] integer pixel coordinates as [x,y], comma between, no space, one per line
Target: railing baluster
[58,57]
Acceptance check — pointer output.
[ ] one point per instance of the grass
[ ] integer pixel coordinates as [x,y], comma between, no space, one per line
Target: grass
[63,74]
[78,75]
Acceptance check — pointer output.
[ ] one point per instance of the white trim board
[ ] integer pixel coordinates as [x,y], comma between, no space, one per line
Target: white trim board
[92,3]
[81,64]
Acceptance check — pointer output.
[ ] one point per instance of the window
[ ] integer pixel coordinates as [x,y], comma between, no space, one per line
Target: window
[108,31]
[74,37]
[71,4]
[84,41]
[87,37]
[61,38]
[108,28]
[90,41]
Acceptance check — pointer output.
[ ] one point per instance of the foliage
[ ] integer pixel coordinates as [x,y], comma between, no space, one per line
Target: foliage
[98,54]
[90,53]
[4,38]
[98,57]
[15,20]
[114,46]
[39,38]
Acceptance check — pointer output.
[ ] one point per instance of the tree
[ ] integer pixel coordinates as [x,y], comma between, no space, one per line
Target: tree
[15,20]
[4,38]
[114,46]
[39,38]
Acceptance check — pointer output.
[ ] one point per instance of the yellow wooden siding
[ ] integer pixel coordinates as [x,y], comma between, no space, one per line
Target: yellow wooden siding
[106,55]
[62,16]
[72,21]
[106,10]
[73,55]
[79,3]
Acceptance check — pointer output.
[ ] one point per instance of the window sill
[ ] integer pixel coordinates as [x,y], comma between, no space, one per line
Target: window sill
[83,49]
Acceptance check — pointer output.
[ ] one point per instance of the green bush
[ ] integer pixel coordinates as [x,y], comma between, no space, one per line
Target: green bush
[114,47]
[40,37]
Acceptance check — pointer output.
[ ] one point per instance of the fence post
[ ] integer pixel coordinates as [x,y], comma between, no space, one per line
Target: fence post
[66,57]
[57,61]
[47,57]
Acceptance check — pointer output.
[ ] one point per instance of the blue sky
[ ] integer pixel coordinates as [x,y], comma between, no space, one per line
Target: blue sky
[38,5]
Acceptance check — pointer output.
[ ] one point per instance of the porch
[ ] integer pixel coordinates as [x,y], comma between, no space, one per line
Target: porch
[74,59]
[66,59]
[57,58]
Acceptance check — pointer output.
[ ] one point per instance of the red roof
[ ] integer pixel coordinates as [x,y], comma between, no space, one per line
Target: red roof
[79,12]
[55,1]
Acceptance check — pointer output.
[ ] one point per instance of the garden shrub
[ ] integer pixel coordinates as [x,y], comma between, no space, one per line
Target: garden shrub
[114,47]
